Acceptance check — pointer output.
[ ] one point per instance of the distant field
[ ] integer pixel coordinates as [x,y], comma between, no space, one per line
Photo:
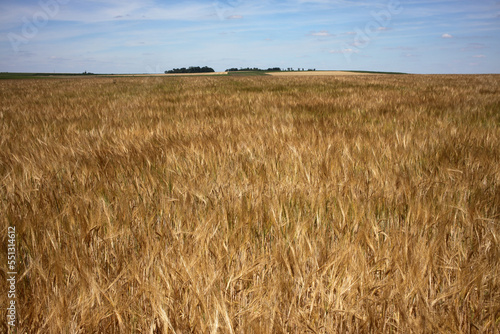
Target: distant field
[253,204]
[232,73]
[81,76]
[235,73]
[319,73]
[9,75]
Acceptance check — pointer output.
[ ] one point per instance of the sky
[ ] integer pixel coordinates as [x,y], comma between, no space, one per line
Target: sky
[151,36]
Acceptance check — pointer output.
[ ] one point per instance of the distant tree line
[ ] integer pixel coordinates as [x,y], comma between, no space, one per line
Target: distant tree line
[271,69]
[191,69]
[206,69]
[290,69]
[234,69]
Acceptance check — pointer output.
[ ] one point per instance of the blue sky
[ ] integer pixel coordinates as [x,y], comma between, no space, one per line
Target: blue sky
[151,36]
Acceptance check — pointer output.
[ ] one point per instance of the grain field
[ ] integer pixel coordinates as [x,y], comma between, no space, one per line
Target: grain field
[354,204]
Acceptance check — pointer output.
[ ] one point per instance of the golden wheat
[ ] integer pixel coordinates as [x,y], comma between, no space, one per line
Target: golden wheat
[253,204]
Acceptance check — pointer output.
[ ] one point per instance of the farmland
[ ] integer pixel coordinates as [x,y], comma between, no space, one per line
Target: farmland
[253,204]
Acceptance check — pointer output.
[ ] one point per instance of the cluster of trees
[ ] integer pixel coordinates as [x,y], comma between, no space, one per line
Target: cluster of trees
[234,69]
[206,69]
[191,69]
[276,69]
[300,69]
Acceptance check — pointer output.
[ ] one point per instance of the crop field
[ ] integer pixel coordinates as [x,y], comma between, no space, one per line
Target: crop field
[259,204]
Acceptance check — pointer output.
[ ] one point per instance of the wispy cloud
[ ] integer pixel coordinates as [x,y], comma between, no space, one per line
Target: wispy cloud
[446,36]
[408,55]
[343,51]
[403,48]
[473,46]
[322,33]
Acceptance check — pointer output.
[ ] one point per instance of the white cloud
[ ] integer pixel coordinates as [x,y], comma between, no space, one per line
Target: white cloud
[322,33]
[408,55]
[235,17]
[359,43]
[446,36]
[479,56]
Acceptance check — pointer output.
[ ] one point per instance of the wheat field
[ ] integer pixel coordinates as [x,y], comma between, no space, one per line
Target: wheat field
[356,204]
